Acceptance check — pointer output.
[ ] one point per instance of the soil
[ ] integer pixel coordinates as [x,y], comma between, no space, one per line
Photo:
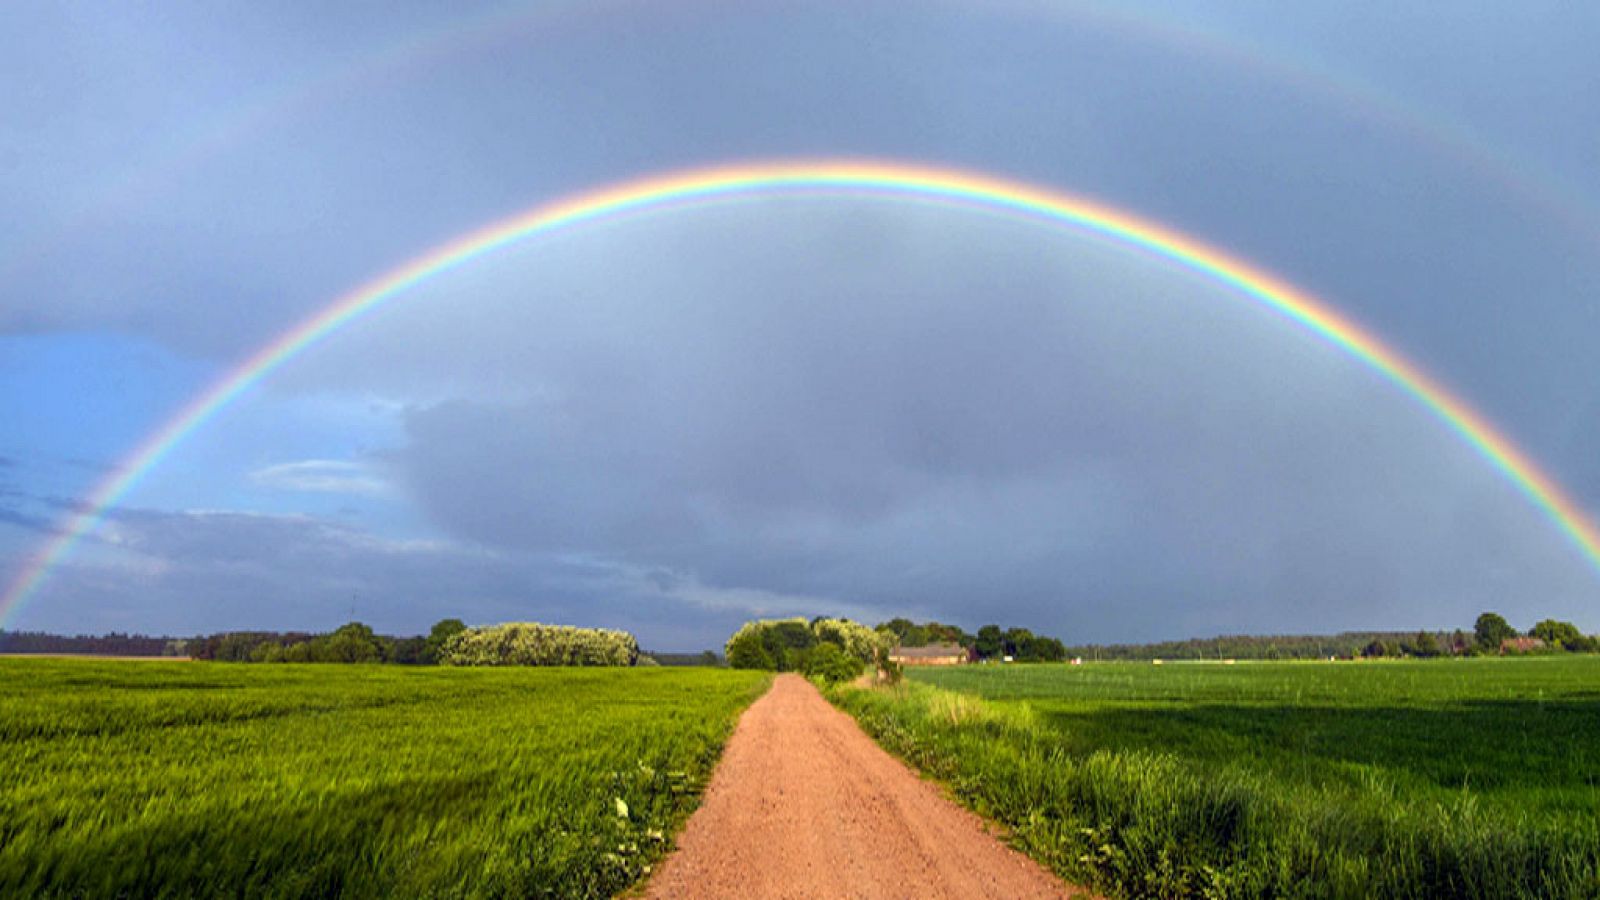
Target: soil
[804,804]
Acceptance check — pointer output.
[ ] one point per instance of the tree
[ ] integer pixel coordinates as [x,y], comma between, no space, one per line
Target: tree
[1018,643]
[1048,649]
[235,646]
[1424,644]
[829,663]
[352,643]
[1557,634]
[443,631]
[1584,644]
[410,651]
[853,638]
[940,633]
[1491,630]
[267,652]
[786,642]
[990,642]
[747,651]
[899,627]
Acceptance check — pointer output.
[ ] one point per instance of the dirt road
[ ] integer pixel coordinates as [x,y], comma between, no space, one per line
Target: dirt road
[804,804]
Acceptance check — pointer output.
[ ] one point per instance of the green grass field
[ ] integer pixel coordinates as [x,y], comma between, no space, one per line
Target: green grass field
[194,779]
[1425,779]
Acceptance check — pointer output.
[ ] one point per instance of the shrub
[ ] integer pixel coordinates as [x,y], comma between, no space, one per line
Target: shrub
[795,660]
[853,638]
[787,645]
[889,671]
[831,665]
[746,651]
[533,644]
[785,640]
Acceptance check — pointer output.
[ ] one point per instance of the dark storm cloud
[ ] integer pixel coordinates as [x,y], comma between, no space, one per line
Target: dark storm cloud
[357,181]
[842,405]
[1027,427]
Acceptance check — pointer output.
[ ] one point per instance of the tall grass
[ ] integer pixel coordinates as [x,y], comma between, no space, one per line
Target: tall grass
[1444,779]
[192,779]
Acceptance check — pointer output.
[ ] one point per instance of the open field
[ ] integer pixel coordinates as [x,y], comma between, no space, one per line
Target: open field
[1440,778]
[191,779]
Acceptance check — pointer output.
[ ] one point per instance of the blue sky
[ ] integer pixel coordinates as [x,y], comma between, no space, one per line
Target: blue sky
[797,405]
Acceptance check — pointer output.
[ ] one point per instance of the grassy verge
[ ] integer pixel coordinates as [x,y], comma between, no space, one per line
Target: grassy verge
[191,779]
[1269,781]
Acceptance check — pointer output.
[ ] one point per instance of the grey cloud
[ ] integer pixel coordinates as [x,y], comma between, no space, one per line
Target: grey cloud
[1032,427]
[831,401]
[329,476]
[214,570]
[358,180]
[40,513]
[26,520]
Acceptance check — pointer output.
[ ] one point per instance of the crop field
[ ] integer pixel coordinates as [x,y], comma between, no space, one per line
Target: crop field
[195,779]
[1425,779]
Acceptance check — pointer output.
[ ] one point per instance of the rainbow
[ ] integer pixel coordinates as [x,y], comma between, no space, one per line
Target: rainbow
[946,187]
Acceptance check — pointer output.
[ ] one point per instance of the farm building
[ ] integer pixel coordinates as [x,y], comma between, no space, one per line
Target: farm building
[1521,645]
[931,655]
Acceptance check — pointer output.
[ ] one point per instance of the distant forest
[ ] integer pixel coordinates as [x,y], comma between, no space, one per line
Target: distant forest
[240,645]
[1490,634]
[1246,646]
[113,644]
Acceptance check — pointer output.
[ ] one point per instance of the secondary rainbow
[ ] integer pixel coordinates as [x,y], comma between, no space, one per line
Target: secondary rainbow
[949,187]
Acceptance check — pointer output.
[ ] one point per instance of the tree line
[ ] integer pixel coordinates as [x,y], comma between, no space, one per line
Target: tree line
[356,642]
[831,650]
[350,643]
[1491,634]
[991,643]
[1345,644]
[836,649]
[114,644]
